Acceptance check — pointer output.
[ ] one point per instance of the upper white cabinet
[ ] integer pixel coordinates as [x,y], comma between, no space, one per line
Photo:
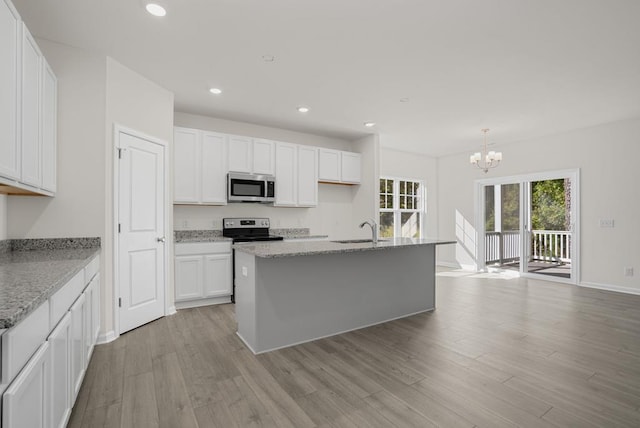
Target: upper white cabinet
[27,109]
[240,154]
[336,166]
[30,129]
[350,167]
[263,157]
[9,42]
[296,175]
[200,167]
[251,155]
[48,122]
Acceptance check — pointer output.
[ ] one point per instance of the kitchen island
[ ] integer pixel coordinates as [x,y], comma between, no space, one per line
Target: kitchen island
[294,292]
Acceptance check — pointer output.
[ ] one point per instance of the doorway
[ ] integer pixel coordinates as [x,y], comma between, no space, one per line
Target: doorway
[140,212]
[528,225]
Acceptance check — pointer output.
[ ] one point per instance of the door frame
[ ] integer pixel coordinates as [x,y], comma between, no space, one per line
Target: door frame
[117,130]
[574,175]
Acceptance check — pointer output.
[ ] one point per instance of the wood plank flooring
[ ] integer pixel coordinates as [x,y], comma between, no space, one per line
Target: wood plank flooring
[495,353]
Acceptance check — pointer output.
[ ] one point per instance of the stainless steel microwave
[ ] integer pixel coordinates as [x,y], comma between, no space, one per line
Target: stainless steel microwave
[251,188]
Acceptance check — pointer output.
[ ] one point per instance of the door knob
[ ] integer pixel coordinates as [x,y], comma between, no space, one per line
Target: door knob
[160,239]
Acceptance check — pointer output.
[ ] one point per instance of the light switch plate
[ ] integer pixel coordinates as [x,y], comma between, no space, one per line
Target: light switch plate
[628,271]
[245,271]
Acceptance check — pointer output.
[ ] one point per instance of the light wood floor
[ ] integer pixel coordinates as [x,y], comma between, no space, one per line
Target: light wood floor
[495,353]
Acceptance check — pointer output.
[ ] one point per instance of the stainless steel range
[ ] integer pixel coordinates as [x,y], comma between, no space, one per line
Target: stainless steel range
[246,230]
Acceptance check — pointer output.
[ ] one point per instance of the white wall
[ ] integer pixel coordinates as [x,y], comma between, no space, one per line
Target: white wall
[607,156]
[78,209]
[3,217]
[394,163]
[333,216]
[136,103]
[366,196]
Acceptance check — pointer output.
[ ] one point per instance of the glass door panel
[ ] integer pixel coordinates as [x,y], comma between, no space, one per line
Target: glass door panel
[549,228]
[502,226]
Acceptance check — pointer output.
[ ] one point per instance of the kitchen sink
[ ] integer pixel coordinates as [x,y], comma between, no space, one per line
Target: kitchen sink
[357,241]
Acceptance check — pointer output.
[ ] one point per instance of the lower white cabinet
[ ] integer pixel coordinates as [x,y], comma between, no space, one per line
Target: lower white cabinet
[27,402]
[45,356]
[203,273]
[60,343]
[78,338]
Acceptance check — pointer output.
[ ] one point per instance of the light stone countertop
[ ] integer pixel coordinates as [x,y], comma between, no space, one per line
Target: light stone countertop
[308,248]
[29,278]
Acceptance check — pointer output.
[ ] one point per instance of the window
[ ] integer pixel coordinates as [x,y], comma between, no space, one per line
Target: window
[401,207]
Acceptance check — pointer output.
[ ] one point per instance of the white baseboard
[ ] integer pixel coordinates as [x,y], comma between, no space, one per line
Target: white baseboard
[611,287]
[203,302]
[448,264]
[172,310]
[107,337]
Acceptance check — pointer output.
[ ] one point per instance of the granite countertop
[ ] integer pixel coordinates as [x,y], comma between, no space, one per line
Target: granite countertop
[290,249]
[182,236]
[29,278]
[306,237]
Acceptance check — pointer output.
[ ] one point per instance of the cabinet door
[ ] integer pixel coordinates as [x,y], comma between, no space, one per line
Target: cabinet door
[27,401]
[31,168]
[286,176]
[48,127]
[263,157]
[78,316]
[95,309]
[307,176]
[188,277]
[60,344]
[329,165]
[9,143]
[240,156]
[186,158]
[89,331]
[351,167]
[214,168]
[217,275]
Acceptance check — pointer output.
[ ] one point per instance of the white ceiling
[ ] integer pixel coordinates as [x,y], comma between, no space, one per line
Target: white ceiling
[523,68]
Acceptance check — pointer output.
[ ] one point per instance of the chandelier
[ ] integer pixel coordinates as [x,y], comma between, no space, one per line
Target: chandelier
[487,159]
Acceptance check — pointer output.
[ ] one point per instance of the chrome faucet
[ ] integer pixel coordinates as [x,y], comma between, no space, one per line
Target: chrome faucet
[374,230]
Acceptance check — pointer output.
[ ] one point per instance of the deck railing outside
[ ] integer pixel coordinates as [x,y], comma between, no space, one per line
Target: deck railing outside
[546,245]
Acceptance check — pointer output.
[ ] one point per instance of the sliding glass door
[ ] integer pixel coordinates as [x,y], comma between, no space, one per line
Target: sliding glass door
[528,224]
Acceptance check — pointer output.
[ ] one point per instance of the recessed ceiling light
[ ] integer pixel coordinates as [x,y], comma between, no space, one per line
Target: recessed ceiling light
[369,124]
[303,109]
[215,91]
[155,9]
[404,100]
[268,58]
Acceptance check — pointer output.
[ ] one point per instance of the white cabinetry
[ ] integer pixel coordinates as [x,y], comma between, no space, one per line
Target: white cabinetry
[27,110]
[200,163]
[240,154]
[27,402]
[48,127]
[45,356]
[296,175]
[251,155]
[286,183]
[9,42]
[30,129]
[60,344]
[203,273]
[335,166]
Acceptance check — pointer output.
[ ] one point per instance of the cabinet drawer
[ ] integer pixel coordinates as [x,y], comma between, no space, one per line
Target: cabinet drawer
[91,270]
[190,248]
[62,300]
[21,341]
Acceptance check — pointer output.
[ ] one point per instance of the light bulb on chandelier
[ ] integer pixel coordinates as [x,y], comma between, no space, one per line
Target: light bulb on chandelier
[487,159]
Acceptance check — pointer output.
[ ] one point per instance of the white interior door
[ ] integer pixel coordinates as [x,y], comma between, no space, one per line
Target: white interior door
[141,217]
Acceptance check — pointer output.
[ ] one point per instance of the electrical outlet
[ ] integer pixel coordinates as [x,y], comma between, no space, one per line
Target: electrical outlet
[606,222]
[185,224]
[216,224]
[628,271]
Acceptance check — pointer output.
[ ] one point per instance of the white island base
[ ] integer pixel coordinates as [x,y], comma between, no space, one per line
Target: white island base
[284,301]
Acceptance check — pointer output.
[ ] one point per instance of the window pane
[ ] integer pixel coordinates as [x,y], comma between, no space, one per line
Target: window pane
[416,188]
[383,185]
[389,186]
[410,225]
[403,187]
[386,225]
[409,203]
[403,202]
[390,201]
[383,201]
